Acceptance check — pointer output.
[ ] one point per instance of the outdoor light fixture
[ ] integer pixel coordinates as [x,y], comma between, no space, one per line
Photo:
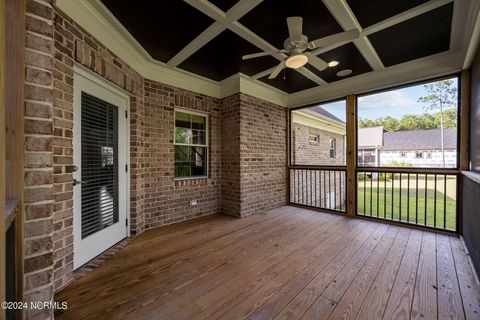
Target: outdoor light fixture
[333,63]
[344,73]
[296,61]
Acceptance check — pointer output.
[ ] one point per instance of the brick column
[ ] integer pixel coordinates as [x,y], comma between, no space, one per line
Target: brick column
[253,155]
[38,228]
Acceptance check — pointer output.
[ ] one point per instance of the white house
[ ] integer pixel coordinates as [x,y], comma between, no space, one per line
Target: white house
[418,148]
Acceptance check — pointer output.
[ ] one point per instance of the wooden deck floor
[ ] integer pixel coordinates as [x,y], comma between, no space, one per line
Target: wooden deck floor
[290,263]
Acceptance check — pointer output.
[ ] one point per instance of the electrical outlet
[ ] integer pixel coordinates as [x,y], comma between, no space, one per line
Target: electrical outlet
[193,203]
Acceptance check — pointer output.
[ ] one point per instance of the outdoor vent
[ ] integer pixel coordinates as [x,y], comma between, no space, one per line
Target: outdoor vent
[99,164]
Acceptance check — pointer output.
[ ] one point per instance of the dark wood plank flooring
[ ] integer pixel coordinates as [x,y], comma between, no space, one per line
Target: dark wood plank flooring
[289,263]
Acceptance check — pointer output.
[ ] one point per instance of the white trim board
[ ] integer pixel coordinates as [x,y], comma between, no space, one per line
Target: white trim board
[100,23]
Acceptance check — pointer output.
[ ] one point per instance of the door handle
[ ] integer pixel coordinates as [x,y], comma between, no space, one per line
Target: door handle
[75,182]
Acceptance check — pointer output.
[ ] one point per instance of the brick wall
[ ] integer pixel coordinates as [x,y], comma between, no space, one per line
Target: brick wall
[305,152]
[231,155]
[254,155]
[165,200]
[39,189]
[263,137]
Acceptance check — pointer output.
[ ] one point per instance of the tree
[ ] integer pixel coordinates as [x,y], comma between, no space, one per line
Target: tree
[441,95]
[390,123]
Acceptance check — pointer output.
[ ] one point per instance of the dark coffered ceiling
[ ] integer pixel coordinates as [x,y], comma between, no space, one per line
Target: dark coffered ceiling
[165,28]
[216,62]
[415,38]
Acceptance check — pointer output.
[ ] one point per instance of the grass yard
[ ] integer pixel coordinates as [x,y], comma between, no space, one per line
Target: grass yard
[379,200]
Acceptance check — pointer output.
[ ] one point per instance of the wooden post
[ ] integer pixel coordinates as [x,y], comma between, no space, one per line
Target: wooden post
[287,175]
[351,155]
[2,154]
[464,119]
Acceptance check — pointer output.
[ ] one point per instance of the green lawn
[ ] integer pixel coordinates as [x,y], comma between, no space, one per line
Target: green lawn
[405,205]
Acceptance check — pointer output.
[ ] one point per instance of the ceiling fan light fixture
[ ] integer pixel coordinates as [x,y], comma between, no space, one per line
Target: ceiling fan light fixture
[296,61]
[333,63]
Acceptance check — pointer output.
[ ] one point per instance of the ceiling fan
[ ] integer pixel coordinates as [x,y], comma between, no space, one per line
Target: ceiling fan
[297,44]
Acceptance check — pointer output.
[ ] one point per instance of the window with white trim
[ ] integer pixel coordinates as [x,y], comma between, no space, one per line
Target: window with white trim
[191,144]
[333,148]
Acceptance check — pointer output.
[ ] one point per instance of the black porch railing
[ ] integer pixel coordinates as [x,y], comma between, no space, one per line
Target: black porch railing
[416,196]
[322,188]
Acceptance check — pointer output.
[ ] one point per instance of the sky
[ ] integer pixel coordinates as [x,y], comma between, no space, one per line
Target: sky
[394,103]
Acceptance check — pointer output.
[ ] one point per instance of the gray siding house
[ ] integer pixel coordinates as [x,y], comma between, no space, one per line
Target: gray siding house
[418,148]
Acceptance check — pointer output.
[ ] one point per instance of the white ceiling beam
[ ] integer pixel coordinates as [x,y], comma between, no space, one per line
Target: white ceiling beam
[404,16]
[444,63]
[222,20]
[345,17]
[202,39]
[473,45]
[263,73]
[208,9]
[464,23]
[241,8]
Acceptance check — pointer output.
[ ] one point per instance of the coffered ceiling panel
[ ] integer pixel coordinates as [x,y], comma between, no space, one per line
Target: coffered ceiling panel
[421,36]
[268,20]
[369,12]
[348,57]
[222,57]
[289,81]
[163,28]
[224,5]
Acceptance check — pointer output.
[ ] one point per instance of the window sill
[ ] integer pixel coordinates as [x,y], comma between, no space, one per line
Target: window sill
[186,182]
[190,178]
[474,176]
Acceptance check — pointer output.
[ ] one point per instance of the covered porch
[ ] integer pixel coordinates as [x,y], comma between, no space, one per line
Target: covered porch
[287,263]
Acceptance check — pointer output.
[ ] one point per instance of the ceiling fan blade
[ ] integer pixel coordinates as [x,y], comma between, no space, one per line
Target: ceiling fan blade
[277,70]
[295,25]
[339,37]
[317,62]
[260,54]
[255,55]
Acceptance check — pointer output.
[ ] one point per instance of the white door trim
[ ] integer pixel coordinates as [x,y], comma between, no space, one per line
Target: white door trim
[86,80]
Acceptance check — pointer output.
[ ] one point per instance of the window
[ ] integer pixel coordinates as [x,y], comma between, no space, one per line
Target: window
[191,144]
[419,120]
[333,148]
[312,138]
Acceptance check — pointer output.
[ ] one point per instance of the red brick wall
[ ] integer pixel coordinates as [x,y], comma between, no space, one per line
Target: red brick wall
[254,155]
[38,182]
[231,155]
[165,200]
[263,137]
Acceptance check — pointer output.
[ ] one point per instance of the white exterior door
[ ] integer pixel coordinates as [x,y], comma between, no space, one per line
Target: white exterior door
[101,153]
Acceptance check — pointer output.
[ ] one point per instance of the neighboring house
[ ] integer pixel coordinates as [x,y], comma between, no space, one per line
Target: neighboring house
[418,148]
[318,138]
[370,141]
